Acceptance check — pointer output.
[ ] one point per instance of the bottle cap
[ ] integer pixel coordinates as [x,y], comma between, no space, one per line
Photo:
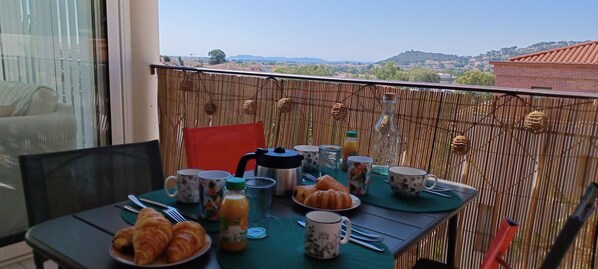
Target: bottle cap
[389,96]
[351,133]
[235,183]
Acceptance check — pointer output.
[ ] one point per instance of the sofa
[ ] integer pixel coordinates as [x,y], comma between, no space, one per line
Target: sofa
[31,121]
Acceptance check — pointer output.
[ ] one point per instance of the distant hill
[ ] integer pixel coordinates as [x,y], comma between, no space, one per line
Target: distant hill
[506,53]
[276,59]
[440,60]
[419,57]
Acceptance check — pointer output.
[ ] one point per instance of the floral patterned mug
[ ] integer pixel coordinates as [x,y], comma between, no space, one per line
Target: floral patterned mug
[323,234]
[359,173]
[186,185]
[212,192]
[408,182]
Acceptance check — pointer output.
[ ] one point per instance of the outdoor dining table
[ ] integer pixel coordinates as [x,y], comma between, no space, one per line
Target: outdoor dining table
[83,240]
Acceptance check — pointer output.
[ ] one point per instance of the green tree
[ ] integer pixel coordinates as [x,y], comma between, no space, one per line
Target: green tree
[309,70]
[181,61]
[423,75]
[217,56]
[387,71]
[166,59]
[477,77]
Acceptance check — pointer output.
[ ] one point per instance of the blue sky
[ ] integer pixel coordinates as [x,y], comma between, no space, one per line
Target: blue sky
[368,30]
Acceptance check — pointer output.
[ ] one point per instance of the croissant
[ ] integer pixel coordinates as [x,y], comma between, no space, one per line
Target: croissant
[301,192]
[123,238]
[187,238]
[326,182]
[329,199]
[152,234]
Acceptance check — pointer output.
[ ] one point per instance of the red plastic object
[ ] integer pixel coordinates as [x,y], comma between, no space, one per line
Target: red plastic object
[499,245]
[221,147]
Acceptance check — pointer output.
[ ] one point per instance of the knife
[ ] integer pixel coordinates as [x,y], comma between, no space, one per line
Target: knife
[185,214]
[373,236]
[356,241]
[437,193]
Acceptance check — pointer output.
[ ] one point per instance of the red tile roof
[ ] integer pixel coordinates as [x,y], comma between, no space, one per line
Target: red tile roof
[582,53]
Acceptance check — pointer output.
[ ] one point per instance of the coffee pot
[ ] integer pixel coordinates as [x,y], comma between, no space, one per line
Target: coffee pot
[280,164]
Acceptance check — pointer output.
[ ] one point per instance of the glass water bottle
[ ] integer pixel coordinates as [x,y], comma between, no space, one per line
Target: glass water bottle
[386,139]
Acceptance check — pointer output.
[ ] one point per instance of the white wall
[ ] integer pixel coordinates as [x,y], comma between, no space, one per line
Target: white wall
[133,45]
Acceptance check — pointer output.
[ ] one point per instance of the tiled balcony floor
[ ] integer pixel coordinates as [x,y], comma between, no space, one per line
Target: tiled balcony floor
[12,257]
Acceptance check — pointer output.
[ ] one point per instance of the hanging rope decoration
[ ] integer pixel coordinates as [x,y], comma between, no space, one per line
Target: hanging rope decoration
[284,105]
[210,107]
[339,111]
[536,122]
[187,83]
[249,107]
[460,145]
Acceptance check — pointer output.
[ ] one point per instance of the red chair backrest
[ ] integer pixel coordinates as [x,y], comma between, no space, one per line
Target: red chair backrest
[499,245]
[221,147]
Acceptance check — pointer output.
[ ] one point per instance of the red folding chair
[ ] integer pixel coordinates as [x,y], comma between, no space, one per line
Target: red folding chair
[494,256]
[499,245]
[221,147]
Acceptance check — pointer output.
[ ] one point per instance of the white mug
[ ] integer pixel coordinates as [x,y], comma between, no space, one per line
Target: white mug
[323,234]
[408,182]
[186,184]
[310,161]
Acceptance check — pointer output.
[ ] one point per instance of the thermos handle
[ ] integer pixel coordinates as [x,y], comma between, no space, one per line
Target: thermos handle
[243,163]
[247,157]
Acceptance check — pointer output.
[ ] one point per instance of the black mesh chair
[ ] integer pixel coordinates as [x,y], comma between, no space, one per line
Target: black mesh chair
[574,223]
[62,183]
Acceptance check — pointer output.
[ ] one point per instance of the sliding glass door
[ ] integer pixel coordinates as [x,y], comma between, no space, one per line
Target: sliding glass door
[53,88]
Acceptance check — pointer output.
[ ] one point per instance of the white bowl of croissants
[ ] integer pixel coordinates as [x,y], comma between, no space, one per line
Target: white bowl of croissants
[155,240]
[327,193]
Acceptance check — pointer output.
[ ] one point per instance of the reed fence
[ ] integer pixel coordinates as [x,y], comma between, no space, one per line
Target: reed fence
[536,179]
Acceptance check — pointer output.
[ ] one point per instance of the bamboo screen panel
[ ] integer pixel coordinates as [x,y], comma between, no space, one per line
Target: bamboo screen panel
[535,179]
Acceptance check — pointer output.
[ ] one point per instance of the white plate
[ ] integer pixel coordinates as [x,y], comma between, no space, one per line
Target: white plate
[160,261]
[355,203]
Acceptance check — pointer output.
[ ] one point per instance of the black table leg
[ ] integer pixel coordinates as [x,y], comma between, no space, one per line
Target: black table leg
[452,240]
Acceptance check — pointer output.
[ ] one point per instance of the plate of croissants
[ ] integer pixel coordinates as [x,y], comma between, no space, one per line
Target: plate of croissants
[327,194]
[155,242]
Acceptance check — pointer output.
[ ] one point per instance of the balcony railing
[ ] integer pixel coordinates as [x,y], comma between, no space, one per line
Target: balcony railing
[534,178]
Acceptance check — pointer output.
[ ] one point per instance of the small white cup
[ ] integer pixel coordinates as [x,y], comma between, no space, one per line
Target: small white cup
[323,234]
[408,182]
[186,184]
[310,157]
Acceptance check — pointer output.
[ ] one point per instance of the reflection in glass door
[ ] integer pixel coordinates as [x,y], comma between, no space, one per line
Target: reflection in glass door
[53,88]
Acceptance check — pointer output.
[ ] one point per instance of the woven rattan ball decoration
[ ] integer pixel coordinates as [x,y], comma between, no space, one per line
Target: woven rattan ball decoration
[186,85]
[210,108]
[339,111]
[460,145]
[284,105]
[536,122]
[249,107]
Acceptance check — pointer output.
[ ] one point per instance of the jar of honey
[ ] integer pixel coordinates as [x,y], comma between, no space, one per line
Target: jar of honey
[233,216]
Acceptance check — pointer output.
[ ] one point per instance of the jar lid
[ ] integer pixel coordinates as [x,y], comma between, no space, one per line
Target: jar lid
[351,133]
[235,183]
[279,158]
[390,96]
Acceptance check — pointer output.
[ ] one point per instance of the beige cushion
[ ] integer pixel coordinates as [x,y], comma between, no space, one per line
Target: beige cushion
[27,99]
[6,111]
[42,101]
